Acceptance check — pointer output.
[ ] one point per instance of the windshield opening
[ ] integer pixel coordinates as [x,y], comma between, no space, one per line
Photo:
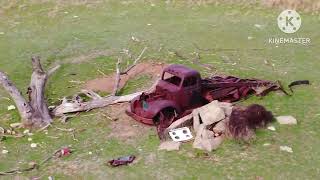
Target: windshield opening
[171,78]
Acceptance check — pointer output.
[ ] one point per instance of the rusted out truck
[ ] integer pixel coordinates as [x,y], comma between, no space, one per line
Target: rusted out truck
[181,89]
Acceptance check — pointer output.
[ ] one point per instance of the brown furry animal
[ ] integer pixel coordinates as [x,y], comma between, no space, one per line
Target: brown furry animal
[244,121]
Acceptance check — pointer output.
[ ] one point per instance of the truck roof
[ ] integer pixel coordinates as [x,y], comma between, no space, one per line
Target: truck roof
[180,70]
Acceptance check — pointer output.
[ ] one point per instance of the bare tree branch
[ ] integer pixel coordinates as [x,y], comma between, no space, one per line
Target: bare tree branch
[71,107]
[36,65]
[54,69]
[119,72]
[91,94]
[135,62]
[23,107]
[118,78]
[79,106]
[40,114]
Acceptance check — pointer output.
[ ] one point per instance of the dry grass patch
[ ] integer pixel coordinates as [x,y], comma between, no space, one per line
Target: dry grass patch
[307,5]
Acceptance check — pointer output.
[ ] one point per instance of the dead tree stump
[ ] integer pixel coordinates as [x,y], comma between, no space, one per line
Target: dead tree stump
[34,112]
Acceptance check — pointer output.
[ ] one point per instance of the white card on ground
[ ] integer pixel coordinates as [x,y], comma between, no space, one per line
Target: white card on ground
[180,134]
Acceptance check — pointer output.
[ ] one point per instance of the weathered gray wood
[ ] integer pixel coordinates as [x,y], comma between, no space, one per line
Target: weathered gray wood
[91,94]
[40,113]
[118,78]
[23,106]
[72,107]
[34,113]
[119,72]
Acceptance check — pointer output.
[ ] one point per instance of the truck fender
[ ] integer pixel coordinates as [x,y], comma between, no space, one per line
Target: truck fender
[163,104]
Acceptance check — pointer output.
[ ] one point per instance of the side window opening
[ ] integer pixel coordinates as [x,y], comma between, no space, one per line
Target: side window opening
[190,81]
[171,78]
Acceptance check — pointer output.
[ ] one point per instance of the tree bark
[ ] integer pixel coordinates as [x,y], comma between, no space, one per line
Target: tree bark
[36,90]
[72,107]
[34,113]
[118,78]
[23,106]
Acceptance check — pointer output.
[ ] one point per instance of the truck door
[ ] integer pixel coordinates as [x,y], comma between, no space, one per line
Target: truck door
[191,91]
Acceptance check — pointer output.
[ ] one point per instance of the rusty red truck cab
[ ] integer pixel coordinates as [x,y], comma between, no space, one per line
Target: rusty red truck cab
[178,90]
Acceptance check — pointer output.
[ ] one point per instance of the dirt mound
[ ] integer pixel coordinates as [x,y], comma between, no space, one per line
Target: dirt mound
[106,84]
[125,128]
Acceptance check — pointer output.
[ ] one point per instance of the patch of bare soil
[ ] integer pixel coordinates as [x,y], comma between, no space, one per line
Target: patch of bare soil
[123,127]
[106,84]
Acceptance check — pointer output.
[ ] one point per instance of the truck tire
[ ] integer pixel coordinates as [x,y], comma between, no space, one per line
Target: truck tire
[163,120]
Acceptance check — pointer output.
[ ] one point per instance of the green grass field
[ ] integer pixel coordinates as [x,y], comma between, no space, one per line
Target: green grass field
[88,36]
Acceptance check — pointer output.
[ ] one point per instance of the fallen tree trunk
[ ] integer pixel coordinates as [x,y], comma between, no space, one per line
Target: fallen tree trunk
[74,106]
[77,105]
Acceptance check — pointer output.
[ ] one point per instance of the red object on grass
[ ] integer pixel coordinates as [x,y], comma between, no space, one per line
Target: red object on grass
[65,152]
[122,161]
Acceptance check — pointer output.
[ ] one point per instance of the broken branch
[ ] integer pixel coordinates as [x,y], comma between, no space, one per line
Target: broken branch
[54,69]
[135,62]
[119,73]
[21,103]
[72,107]
[91,94]
[118,78]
